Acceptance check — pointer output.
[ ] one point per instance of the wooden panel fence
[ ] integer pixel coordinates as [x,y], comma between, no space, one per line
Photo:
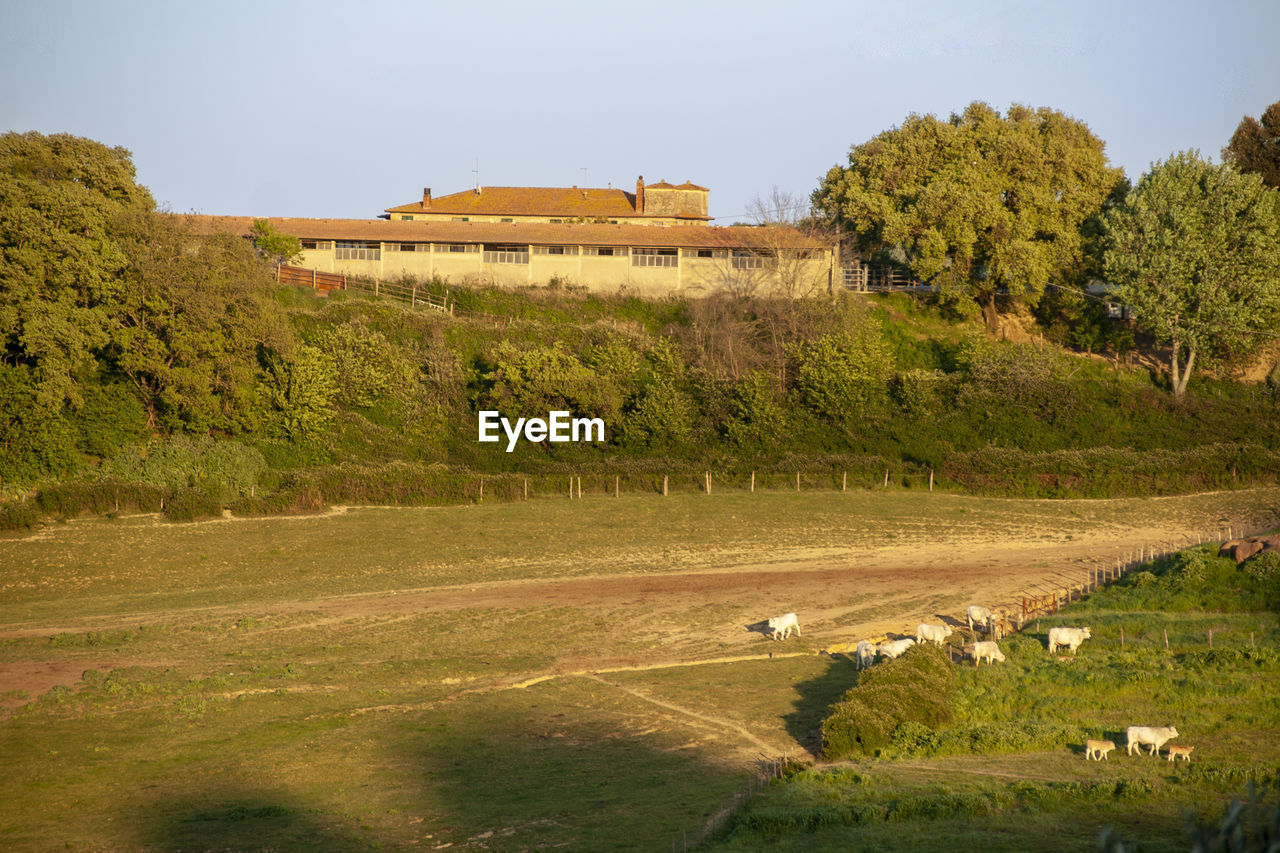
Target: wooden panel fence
[321,282]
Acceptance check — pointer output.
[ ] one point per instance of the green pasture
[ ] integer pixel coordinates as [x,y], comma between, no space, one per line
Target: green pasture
[221,707]
[1006,772]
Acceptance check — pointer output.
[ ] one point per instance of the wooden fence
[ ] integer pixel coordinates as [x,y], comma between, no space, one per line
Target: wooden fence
[321,282]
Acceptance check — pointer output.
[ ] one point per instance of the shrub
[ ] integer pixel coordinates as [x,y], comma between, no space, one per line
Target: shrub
[917,687]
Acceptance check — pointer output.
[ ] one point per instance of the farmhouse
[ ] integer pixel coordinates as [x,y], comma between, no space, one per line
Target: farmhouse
[655,204]
[651,261]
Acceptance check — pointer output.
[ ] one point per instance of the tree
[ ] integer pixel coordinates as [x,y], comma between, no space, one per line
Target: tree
[1255,146]
[1195,251]
[62,199]
[275,245]
[187,324]
[979,204]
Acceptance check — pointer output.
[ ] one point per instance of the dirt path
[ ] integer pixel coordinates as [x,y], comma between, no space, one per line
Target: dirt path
[835,598]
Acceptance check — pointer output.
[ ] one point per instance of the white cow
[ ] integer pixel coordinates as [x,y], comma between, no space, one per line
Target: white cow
[780,626]
[1069,637]
[892,648]
[1152,736]
[978,615]
[988,651]
[866,653]
[933,633]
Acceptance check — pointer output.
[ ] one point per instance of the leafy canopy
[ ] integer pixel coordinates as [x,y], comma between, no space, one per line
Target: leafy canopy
[1255,146]
[978,203]
[1195,250]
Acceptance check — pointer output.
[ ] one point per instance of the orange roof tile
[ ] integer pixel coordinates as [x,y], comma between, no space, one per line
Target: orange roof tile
[566,202]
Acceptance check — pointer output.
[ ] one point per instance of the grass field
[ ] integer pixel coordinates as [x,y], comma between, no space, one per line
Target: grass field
[529,675]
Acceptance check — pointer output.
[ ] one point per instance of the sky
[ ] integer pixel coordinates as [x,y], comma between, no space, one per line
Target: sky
[321,109]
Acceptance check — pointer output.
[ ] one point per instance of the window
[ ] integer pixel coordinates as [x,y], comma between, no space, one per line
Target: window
[744,259]
[415,247]
[654,258]
[457,248]
[605,251]
[500,253]
[506,219]
[357,250]
[555,250]
[460,219]
[317,245]
[556,221]
[407,217]
[705,253]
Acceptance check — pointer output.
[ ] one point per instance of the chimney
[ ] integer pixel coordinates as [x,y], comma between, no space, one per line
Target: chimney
[640,194]
[426,196]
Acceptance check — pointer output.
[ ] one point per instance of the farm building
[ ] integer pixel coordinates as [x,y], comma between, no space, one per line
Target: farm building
[647,260]
[661,204]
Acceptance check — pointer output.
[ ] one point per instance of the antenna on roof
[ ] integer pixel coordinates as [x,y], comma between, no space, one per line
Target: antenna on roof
[476,172]
[584,176]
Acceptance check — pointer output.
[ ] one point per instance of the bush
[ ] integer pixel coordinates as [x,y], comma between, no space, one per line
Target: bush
[917,687]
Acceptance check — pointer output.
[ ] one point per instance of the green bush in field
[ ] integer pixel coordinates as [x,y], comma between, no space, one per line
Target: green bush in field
[916,687]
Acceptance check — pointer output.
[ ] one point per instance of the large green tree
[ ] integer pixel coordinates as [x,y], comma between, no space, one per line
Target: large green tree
[979,204]
[62,199]
[1255,146]
[1195,252]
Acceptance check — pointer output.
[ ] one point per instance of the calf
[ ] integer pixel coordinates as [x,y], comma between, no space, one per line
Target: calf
[1097,749]
[988,651]
[1183,751]
[1151,736]
[933,633]
[1069,637]
[780,626]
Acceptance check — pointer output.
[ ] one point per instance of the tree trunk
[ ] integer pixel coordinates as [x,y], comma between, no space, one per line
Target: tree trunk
[989,314]
[1180,379]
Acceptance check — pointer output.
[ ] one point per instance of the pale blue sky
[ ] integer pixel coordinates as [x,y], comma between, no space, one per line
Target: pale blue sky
[342,109]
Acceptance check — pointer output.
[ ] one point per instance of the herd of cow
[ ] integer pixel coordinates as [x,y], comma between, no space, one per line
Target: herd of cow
[978,617]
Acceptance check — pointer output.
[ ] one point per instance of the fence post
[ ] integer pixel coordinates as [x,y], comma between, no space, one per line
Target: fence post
[1122,638]
[844,481]
[1210,638]
[617,485]
[579,488]
[313,280]
[1166,639]
[753,482]
[664,485]
[526,488]
[797,481]
[707,475]
[886,478]
[931,479]
[481,489]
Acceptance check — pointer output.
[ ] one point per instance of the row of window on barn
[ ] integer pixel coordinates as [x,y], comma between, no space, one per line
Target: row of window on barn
[501,253]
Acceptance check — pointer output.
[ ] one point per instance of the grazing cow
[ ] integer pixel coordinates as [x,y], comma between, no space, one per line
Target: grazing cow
[1152,736]
[988,651]
[1069,637]
[780,626]
[933,633]
[1184,751]
[1097,749]
[892,648]
[978,615]
[866,653]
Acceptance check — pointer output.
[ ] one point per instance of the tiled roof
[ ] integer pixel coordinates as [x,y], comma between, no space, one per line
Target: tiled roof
[687,185]
[560,202]
[392,231]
